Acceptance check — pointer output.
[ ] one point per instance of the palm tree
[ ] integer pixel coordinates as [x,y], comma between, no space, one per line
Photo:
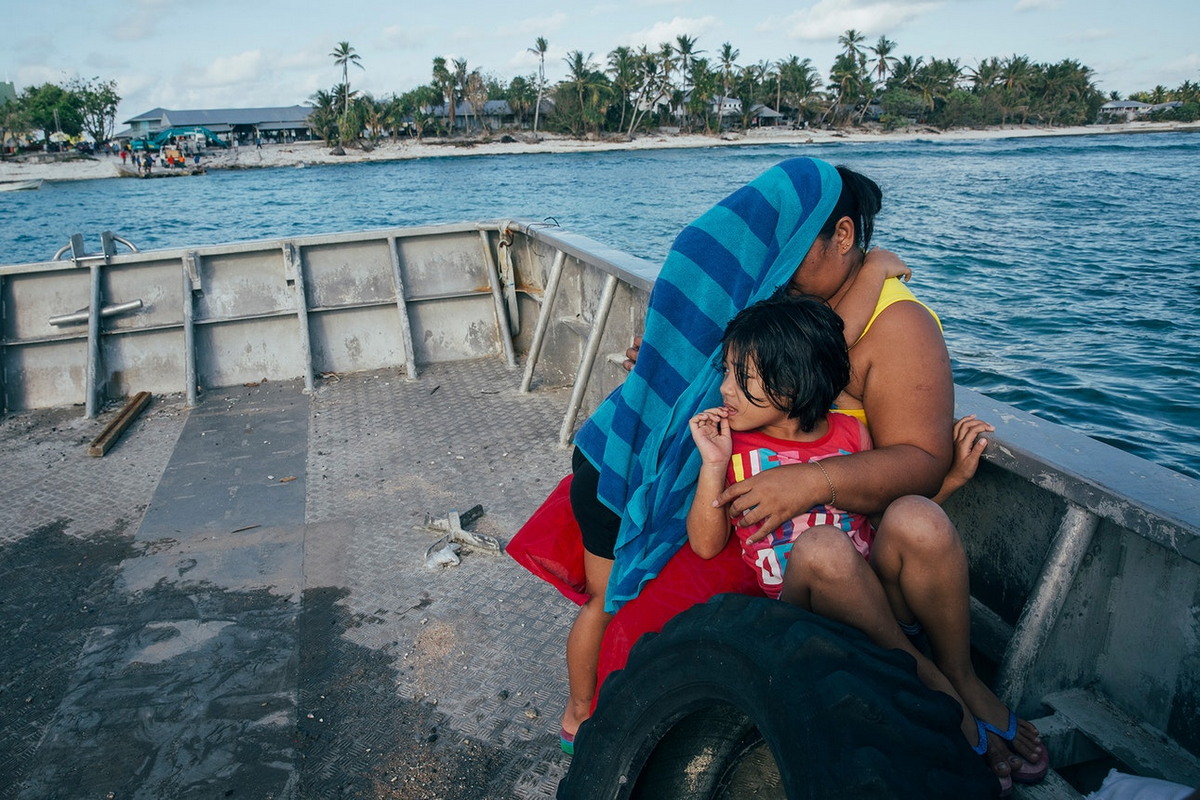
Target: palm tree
[625,74]
[647,82]
[443,81]
[852,40]
[685,48]
[322,120]
[727,60]
[884,58]
[540,46]
[589,87]
[344,56]
[904,71]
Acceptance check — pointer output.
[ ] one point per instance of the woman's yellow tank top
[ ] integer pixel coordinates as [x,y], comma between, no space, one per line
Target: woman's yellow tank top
[894,291]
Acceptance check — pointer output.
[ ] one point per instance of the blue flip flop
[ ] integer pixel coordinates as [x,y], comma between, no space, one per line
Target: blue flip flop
[980,748]
[1030,772]
[566,741]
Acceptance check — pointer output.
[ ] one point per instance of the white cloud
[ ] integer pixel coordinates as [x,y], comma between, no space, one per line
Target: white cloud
[1090,35]
[535,26]
[242,70]
[829,19]
[668,31]
[1031,5]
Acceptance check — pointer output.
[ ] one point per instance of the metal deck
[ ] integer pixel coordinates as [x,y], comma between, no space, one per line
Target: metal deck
[234,600]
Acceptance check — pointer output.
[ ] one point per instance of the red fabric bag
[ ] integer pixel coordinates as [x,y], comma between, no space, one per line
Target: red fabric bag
[550,545]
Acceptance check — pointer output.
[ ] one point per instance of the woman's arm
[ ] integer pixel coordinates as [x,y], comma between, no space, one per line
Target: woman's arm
[858,303]
[901,373]
[708,525]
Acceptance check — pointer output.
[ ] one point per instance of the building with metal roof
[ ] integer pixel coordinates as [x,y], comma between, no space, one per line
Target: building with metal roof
[238,124]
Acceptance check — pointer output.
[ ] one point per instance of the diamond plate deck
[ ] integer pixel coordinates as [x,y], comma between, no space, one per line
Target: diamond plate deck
[175,627]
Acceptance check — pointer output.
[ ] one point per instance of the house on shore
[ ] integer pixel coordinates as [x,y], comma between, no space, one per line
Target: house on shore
[237,125]
[1130,110]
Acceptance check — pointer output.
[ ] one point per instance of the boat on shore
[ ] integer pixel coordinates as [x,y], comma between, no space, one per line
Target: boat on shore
[237,596]
[125,171]
[20,186]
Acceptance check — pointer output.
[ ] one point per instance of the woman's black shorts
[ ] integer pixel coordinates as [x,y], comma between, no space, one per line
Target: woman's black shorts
[597,521]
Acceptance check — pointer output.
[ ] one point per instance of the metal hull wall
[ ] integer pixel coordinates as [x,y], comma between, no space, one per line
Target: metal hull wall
[1085,560]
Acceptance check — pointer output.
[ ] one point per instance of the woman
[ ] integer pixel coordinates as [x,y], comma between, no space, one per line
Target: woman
[635,455]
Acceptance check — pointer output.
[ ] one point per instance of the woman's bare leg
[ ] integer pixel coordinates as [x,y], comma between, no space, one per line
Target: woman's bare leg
[583,643]
[922,566]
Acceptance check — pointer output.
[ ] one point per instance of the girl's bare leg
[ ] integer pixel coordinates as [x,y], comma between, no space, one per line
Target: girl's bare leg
[922,566]
[583,643]
[827,576]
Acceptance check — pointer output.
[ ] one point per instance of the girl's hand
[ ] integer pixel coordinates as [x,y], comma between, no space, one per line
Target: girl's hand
[710,432]
[968,448]
[889,262]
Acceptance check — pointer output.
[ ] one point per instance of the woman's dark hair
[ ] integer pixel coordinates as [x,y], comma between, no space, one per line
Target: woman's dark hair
[860,200]
[797,347]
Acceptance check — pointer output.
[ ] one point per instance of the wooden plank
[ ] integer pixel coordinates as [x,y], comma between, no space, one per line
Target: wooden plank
[108,437]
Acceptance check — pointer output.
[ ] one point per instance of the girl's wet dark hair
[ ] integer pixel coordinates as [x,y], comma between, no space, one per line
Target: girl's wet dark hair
[797,347]
[860,200]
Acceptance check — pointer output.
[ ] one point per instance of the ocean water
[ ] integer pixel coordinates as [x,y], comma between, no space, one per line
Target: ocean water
[1066,270]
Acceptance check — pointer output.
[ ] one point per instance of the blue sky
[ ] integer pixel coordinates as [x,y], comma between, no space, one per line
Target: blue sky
[237,53]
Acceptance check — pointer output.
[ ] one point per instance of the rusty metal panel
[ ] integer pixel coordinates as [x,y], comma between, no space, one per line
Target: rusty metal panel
[354,273]
[45,375]
[435,265]
[158,284]
[30,300]
[356,341]
[231,353]
[455,329]
[144,362]
[243,284]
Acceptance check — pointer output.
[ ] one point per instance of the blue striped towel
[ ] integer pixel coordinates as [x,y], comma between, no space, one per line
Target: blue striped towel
[738,252]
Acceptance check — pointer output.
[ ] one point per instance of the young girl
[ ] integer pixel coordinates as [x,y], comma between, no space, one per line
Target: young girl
[785,363]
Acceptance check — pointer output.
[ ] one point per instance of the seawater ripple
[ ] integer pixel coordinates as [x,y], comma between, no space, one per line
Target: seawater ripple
[1065,270]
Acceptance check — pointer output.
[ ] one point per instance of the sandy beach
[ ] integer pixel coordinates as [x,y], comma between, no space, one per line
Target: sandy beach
[313,153]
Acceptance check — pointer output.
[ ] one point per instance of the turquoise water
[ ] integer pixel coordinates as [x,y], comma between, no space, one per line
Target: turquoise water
[1066,270]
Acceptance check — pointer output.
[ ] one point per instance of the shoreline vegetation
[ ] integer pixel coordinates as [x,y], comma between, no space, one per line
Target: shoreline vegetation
[314,153]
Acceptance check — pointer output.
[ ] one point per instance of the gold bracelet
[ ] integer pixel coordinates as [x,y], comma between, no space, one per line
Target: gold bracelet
[832,491]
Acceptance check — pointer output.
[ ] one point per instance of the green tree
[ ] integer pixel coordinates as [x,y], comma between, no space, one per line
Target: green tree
[444,82]
[323,118]
[14,122]
[98,101]
[589,90]
[343,55]
[852,41]
[521,95]
[884,60]
[728,61]
[52,108]
[540,46]
[475,92]
[625,73]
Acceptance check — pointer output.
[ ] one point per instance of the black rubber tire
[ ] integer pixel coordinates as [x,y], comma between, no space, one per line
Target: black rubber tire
[841,717]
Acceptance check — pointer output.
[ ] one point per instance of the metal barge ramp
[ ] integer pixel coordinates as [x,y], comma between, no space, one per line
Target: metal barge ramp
[234,601]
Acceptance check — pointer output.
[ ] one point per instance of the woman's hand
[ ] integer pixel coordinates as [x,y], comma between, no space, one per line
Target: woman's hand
[631,354]
[773,497]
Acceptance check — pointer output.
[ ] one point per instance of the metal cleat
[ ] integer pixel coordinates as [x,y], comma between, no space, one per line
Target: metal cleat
[444,552]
